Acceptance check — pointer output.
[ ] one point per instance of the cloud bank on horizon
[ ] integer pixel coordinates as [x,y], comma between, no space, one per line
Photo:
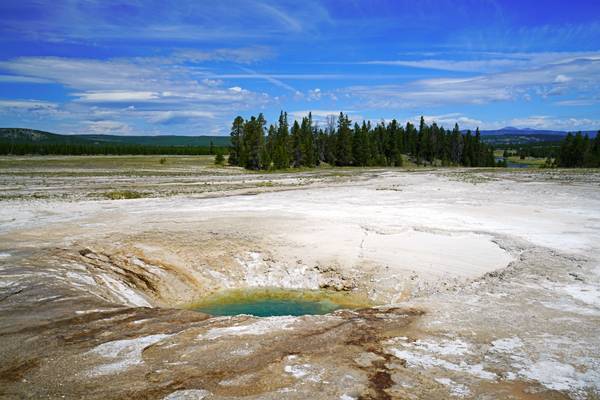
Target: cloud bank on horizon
[189,67]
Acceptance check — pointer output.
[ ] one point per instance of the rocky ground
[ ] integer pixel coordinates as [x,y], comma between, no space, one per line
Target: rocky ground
[475,283]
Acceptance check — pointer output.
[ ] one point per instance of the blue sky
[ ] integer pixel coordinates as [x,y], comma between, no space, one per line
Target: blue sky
[189,67]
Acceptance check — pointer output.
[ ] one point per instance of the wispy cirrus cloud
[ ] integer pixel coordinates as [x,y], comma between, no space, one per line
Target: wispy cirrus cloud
[122,79]
[554,123]
[87,74]
[22,79]
[28,105]
[491,61]
[154,20]
[507,37]
[107,127]
[448,120]
[578,102]
[271,79]
[541,122]
[30,109]
[242,55]
[116,96]
[133,91]
[324,117]
[178,116]
[569,76]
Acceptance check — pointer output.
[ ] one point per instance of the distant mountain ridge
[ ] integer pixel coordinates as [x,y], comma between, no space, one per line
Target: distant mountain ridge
[24,135]
[509,130]
[514,136]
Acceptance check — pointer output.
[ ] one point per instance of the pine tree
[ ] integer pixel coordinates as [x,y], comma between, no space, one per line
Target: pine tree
[280,152]
[360,145]
[296,139]
[467,149]
[378,147]
[321,146]
[254,142]
[308,142]
[235,150]
[593,155]
[420,142]
[456,145]
[399,160]
[478,150]
[391,144]
[219,158]
[269,148]
[344,141]
[411,139]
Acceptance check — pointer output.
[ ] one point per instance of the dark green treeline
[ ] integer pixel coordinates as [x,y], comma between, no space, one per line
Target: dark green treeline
[341,143]
[10,148]
[579,151]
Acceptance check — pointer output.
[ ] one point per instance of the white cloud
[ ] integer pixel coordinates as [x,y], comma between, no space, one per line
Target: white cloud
[314,94]
[555,123]
[307,77]
[180,116]
[574,76]
[27,105]
[322,116]
[560,78]
[448,120]
[87,74]
[271,79]
[242,55]
[212,82]
[577,102]
[492,62]
[117,96]
[543,122]
[22,79]
[97,22]
[280,15]
[450,65]
[138,92]
[130,80]
[30,109]
[107,127]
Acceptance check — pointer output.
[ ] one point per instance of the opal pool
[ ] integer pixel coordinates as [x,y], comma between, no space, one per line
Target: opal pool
[271,307]
[274,302]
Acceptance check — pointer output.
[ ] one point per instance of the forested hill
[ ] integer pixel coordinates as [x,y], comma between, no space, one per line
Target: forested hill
[520,138]
[19,141]
[31,136]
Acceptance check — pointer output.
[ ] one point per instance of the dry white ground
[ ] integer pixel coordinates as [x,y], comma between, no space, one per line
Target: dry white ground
[487,285]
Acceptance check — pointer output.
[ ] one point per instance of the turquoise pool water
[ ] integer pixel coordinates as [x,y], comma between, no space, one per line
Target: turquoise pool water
[270,307]
[266,302]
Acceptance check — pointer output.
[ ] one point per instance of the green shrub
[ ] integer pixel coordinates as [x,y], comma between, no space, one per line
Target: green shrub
[123,194]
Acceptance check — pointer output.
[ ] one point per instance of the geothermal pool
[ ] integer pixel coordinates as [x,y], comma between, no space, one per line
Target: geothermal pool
[275,302]
[271,307]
